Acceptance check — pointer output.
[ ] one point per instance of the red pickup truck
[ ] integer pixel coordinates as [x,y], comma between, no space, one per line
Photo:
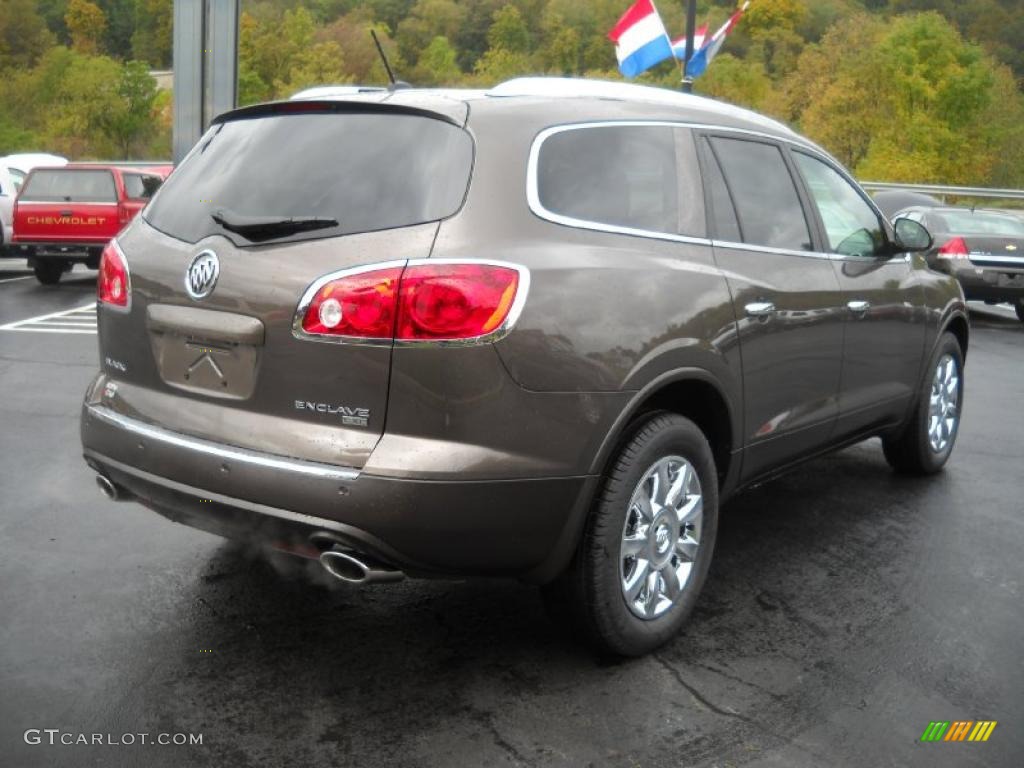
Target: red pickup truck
[66,215]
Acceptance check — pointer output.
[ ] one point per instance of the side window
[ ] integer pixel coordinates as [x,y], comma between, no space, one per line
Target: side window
[618,175]
[767,203]
[140,187]
[722,213]
[852,226]
[17,179]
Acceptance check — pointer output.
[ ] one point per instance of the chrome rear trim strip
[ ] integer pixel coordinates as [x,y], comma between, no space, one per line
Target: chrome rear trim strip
[231,453]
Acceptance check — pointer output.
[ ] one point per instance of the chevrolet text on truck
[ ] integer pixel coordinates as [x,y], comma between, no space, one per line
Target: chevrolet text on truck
[68,214]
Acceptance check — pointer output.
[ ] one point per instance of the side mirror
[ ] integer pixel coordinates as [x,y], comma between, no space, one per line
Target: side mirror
[911,236]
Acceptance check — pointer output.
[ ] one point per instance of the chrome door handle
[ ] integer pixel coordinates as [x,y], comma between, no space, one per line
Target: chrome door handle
[858,307]
[759,309]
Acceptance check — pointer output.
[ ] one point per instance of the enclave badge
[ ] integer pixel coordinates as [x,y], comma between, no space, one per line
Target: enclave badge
[201,275]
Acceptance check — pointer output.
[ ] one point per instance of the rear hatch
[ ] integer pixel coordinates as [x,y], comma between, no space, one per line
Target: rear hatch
[366,184]
[67,205]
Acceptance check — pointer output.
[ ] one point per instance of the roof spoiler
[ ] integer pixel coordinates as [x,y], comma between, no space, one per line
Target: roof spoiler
[310,106]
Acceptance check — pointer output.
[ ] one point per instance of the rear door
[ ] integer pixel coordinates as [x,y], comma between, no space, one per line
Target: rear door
[67,205]
[785,297]
[227,364]
[885,316]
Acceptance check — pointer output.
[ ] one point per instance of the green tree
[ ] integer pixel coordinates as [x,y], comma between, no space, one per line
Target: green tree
[130,122]
[24,37]
[508,32]
[438,64]
[86,24]
[152,39]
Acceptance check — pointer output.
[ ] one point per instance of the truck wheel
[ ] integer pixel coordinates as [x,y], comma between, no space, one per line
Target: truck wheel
[49,272]
[925,444]
[647,544]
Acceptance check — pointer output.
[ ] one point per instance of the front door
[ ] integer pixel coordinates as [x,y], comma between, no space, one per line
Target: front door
[786,300]
[884,303]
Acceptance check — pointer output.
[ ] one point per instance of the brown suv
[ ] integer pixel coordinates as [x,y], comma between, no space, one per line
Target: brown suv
[541,331]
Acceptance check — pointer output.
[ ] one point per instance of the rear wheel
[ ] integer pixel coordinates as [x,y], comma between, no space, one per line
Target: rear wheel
[49,272]
[1019,307]
[648,543]
[926,443]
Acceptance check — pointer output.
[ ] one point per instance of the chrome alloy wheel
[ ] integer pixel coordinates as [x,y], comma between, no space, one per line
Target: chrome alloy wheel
[944,404]
[661,536]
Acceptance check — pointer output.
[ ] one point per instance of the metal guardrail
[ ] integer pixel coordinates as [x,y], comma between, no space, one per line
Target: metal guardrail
[943,191]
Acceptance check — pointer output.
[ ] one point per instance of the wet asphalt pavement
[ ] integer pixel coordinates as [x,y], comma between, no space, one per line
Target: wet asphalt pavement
[846,608]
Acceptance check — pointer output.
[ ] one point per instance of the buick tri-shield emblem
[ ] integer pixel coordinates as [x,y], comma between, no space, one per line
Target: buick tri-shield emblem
[201,275]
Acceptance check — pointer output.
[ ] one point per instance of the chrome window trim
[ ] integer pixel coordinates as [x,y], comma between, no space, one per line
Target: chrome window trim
[533,194]
[497,334]
[199,445]
[538,208]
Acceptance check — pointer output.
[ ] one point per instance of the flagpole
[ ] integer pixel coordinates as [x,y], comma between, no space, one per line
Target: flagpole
[691,28]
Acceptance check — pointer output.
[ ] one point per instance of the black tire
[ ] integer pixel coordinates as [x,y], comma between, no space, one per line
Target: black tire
[49,272]
[910,452]
[1019,309]
[591,590]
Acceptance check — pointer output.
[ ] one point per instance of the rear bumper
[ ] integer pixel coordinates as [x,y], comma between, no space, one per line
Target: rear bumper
[79,252]
[524,528]
[991,283]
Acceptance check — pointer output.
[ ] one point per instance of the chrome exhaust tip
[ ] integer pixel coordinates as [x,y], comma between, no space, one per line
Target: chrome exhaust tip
[352,568]
[108,489]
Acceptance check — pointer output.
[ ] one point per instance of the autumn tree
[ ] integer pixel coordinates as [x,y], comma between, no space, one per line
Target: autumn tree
[24,37]
[86,23]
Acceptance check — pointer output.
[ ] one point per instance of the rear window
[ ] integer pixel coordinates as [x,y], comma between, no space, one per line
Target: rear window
[976,223]
[366,171]
[61,185]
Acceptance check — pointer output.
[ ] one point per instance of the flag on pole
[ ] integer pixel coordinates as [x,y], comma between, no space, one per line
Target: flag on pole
[702,58]
[640,39]
[679,44]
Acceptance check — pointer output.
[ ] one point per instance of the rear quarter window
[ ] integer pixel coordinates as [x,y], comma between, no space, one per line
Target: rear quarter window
[367,171]
[138,186]
[620,176]
[70,186]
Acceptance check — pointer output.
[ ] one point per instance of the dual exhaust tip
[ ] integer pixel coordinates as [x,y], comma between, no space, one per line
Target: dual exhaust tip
[355,568]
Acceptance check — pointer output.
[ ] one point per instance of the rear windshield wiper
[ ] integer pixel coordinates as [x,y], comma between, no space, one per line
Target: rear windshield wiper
[258,228]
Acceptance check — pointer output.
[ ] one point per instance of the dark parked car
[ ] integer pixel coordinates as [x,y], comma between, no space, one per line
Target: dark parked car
[983,249]
[892,201]
[540,332]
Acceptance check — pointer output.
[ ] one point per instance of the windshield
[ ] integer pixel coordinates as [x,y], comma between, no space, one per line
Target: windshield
[979,223]
[349,172]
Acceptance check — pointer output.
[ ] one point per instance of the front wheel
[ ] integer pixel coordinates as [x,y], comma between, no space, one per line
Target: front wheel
[926,443]
[49,272]
[647,545]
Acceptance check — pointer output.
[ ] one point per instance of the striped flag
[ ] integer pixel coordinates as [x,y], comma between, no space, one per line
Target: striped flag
[679,44]
[700,61]
[640,39]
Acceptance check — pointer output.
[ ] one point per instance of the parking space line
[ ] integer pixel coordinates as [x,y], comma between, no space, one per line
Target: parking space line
[12,279]
[81,320]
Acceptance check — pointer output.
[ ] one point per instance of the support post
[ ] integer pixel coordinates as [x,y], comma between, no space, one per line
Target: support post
[691,29]
[205,67]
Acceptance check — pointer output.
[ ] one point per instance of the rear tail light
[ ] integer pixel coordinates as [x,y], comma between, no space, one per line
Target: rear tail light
[113,286]
[422,301]
[954,249]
